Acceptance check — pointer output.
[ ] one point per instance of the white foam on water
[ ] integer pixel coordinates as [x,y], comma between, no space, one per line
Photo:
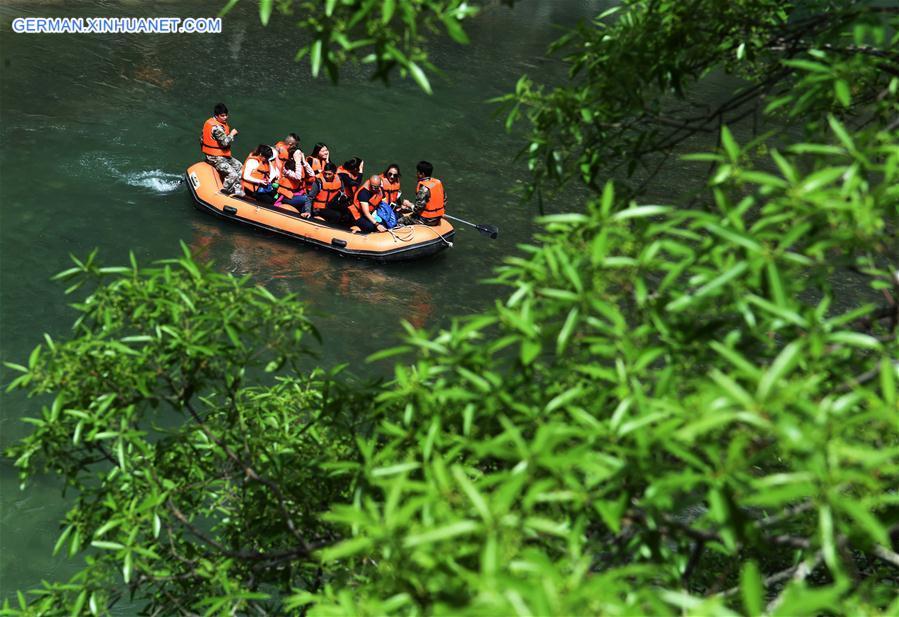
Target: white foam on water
[156,180]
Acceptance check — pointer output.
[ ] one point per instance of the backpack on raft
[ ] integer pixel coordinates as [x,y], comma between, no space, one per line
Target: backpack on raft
[387,215]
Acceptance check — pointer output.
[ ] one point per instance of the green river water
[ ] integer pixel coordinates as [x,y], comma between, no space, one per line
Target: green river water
[96,130]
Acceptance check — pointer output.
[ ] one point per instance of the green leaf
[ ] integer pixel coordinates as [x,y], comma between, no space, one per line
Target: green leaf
[530,349]
[420,78]
[315,57]
[788,171]
[888,381]
[472,493]
[865,519]
[703,157]
[828,542]
[564,398]
[636,212]
[393,470]
[785,361]
[737,360]
[567,330]
[718,282]
[16,367]
[821,178]
[454,29]
[841,90]
[612,512]
[62,538]
[127,566]
[227,7]
[387,8]
[840,131]
[808,65]
[774,281]
[752,589]
[34,356]
[735,237]
[79,603]
[854,339]
[730,145]
[565,218]
[439,534]
[347,548]
[389,353]
[265,10]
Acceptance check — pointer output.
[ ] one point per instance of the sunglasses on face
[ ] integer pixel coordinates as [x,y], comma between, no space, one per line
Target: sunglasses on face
[393,176]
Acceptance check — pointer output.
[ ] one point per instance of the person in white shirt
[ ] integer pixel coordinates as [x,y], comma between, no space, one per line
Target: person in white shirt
[260,174]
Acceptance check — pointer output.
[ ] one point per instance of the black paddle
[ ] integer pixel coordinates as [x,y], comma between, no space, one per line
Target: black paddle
[489,230]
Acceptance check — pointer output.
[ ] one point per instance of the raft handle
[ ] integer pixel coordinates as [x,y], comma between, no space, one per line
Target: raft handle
[230,210]
[338,242]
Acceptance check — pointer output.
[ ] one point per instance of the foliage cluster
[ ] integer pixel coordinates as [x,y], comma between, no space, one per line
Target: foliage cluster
[634,92]
[195,465]
[389,35]
[677,408]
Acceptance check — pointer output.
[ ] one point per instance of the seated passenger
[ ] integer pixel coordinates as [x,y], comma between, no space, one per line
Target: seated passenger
[283,147]
[430,199]
[365,204]
[350,173]
[319,157]
[259,173]
[327,197]
[390,185]
[292,186]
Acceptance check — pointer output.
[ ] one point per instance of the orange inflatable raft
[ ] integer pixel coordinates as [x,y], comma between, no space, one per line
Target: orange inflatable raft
[402,243]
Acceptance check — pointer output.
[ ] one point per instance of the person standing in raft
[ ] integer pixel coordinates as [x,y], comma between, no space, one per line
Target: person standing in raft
[365,204]
[430,199]
[215,143]
[259,172]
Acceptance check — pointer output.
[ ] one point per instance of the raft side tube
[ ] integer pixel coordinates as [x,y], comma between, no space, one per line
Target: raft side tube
[411,242]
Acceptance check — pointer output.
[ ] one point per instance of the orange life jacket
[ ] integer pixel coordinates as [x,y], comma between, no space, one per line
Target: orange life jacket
[374,200]
[390,189]
[260,173]
[434,208]
[317,166]
[287,186]
[353,185]
[208,144]
[328,191]
[283,154]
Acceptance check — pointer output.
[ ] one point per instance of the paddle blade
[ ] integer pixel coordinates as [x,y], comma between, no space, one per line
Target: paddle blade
[490,230]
